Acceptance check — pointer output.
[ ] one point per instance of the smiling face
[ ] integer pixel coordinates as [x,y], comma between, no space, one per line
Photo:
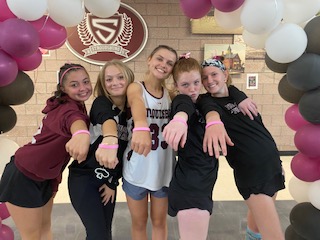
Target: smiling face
[77,85]
[115,82]
[189,83]
[161,63]
[214,81]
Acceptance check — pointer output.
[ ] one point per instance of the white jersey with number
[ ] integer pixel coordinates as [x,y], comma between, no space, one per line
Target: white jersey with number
[155,170]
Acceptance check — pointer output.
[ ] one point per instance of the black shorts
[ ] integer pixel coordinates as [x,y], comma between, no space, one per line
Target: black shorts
[177,202]
[22,191]
[268,188]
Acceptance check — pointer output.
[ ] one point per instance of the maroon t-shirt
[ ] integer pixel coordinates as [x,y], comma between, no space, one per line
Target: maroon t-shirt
[45,157]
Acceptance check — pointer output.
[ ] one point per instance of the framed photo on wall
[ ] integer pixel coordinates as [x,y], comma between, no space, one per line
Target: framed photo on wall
[252,81]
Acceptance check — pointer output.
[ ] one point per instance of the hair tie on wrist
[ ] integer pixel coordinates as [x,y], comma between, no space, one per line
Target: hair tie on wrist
[141,129]
[107,146]
[80,131]
[180,120]
[213,123]
[110,136]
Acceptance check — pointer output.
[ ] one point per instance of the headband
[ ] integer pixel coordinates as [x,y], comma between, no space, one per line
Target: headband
[67,70]
[214,63]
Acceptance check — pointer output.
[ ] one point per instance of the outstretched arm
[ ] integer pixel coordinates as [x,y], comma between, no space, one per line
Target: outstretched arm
[216,136]
[175,132]
[141,140]
[106,153]
[78,145]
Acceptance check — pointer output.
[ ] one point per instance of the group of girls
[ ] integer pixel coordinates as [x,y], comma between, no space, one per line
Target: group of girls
[131,132]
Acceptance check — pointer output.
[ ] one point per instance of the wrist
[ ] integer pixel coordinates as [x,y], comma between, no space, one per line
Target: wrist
[108,146]
[80,132]
[180,120]
[213,123]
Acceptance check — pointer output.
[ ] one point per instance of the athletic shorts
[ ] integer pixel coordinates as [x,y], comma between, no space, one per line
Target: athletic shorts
[139,193]
[268,188]
[22,191]
[178,202]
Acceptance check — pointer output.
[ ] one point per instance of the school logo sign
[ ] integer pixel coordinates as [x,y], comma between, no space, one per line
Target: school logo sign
[97,40]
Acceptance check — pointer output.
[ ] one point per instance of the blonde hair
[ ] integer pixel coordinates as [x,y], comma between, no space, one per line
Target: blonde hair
[100,87]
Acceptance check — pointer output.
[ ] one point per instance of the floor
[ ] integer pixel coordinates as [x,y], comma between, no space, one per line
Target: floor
[227,221]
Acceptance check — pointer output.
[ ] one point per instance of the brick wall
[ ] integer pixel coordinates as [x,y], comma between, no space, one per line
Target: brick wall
[166,25]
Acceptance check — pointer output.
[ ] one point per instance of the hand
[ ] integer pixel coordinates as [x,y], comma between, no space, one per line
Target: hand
[248,107]
[107,194]
[107,157]
[175,133]
[78,147]
[141,142]
[216,137]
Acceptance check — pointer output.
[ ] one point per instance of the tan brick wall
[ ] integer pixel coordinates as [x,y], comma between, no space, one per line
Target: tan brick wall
[167,25]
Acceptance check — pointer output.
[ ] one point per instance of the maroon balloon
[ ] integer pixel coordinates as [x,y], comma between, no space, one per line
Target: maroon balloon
[227,5]
[195,9]
[51,34]
[31,62]
[6,232]
[8,69]
[4,213]
[19,38]
[293,118]
[307,140]
[5,12]
[305,168]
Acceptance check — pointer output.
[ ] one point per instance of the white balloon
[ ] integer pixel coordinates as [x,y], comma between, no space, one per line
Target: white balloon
[297,11]
[7,149]
[314,194]
[67,13]
[299,189]
[102,8]
[286,43]
[257,41]
[228,20]
[29,10]
[261,16]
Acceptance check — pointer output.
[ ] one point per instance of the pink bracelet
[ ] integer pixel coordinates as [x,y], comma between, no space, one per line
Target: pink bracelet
[179,119]
[80,131]
[141,129]
[213,123]
[106,146]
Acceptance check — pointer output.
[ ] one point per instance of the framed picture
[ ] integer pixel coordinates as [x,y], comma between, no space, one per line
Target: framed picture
[234,55]
[208,25]
[252,81]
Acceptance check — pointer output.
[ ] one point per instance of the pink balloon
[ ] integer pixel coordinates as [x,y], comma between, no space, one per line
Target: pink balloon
[5,12]
[293,118]
[227,5]
[19,38]
[305,168]
[6,232]
[31,62]
[4,213]
[8,69]
[195,9]
[51,34]
[307,140]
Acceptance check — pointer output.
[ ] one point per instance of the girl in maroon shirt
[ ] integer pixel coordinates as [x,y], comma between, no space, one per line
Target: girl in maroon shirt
[30,180]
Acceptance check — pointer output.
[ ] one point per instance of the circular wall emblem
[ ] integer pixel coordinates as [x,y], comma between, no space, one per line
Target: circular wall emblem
[97,40]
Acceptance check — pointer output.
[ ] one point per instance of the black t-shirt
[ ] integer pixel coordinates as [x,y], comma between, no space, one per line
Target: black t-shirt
[195,172]
[102,110]
[254,156]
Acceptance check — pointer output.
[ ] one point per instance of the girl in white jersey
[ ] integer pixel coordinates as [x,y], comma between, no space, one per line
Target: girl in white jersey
[148,161]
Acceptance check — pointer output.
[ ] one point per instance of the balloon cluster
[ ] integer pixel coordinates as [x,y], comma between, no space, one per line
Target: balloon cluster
[25,28]
[289,31]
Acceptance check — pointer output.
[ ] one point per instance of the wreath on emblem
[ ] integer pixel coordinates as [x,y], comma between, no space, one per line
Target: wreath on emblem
[123,38]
